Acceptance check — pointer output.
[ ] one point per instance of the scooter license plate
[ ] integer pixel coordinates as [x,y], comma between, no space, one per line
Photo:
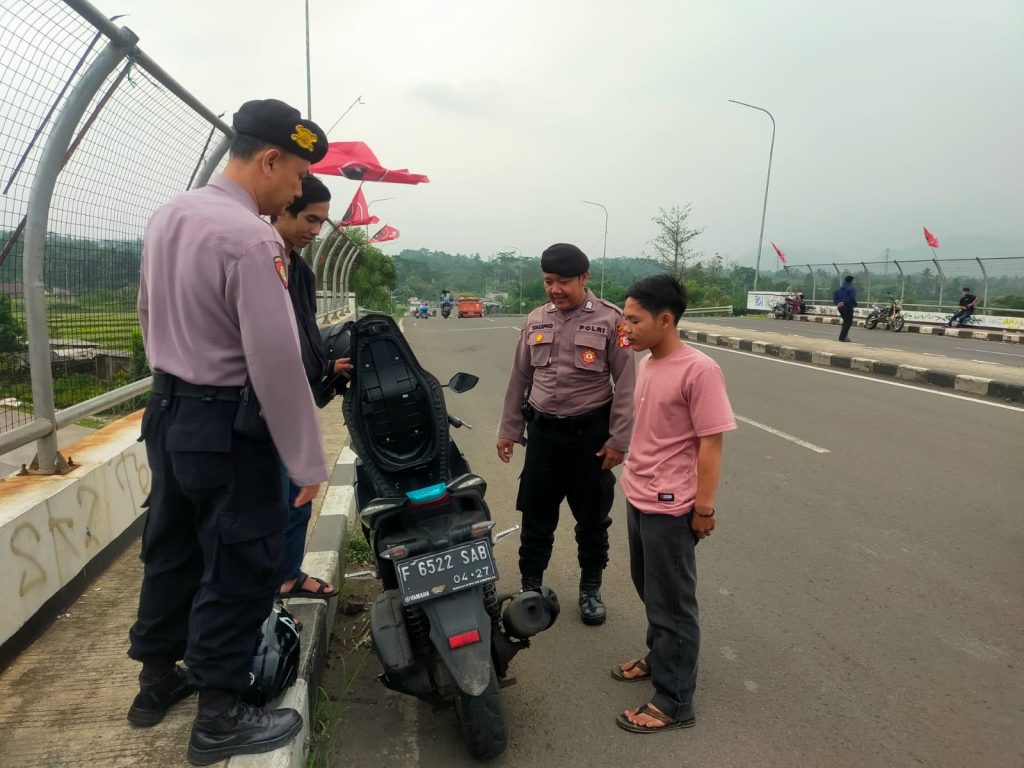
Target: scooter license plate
[442,573]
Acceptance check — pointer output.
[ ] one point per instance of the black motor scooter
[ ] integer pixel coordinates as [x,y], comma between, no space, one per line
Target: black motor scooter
[439,628]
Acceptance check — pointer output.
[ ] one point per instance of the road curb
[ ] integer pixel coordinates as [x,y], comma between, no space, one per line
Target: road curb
[973,385]
[324,559]
[928,330]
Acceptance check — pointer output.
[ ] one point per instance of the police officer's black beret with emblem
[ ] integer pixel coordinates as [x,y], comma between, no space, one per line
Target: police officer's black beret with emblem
[564,259]
[278,123]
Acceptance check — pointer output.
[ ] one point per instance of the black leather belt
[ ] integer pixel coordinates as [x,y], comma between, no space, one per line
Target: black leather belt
[166,385]
[573,423]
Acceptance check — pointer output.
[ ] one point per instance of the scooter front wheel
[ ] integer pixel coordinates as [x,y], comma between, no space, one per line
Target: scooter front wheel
[897,323]
[482,719]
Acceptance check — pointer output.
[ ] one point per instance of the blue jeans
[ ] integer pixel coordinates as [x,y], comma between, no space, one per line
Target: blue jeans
[295,529]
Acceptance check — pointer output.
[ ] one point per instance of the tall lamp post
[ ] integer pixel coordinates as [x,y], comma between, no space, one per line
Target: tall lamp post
[520,260]
[378,200]
[604,251]
[764,209]
[309,81]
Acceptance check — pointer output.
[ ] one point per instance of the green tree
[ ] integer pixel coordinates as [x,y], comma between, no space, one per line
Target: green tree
[12,329]
[672,250]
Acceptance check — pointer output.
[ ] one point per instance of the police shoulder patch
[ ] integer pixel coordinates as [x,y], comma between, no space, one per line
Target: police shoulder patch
[610,304]
[282,270]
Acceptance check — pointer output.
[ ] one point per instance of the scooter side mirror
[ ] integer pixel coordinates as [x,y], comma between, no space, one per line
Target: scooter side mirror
[463,382]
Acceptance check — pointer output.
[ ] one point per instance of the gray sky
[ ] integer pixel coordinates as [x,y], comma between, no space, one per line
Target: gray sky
[891,115]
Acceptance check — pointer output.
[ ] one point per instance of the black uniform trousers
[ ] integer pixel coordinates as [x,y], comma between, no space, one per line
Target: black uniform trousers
[561,464]
[847,314]
[212,541]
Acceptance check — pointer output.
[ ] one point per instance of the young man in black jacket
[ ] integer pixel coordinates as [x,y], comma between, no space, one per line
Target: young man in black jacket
[299,226]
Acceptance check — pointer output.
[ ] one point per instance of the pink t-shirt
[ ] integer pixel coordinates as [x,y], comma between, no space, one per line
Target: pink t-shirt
[677,400]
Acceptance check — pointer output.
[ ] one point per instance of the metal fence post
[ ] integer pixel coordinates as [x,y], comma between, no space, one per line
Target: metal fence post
[336,282]
[332,259]
[867,276]
[942,281]
[347,269]
[903,280]
[48,459]
[203,177]
[814,283]
[984,275]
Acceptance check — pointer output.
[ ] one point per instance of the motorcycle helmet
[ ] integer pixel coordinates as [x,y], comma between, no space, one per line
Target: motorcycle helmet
[276,663]
[337,340]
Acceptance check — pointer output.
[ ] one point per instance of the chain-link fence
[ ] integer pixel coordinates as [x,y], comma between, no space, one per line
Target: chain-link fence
[926,283]
[94,137]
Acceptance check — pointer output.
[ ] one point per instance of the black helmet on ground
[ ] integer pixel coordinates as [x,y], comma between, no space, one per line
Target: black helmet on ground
[276,663]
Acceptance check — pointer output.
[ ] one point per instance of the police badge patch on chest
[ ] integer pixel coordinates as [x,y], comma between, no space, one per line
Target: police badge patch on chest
[282,270]
[589,356]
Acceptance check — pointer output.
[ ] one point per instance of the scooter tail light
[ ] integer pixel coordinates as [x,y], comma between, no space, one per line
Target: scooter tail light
[463,639]
[479,530]
[395,553]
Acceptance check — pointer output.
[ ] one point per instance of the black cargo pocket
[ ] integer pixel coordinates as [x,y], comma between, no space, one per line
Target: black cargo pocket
[200,453]
[248,568]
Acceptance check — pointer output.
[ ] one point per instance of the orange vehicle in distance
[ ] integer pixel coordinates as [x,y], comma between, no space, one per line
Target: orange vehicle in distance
[470,306]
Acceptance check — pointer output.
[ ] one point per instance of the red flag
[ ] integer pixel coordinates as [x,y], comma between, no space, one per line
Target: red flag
[932,240]
[354,160]
[358,213]
[387,232]
[782,256]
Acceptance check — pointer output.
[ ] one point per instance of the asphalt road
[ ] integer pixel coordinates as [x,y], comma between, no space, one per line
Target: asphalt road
[965,349]
[860,606]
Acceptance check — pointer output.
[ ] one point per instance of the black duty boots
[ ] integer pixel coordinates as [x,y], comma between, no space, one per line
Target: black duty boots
[592,610]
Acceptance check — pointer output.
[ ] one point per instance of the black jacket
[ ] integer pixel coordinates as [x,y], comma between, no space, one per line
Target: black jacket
[302,290]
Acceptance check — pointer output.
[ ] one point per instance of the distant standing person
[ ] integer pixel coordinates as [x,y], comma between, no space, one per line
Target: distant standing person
[214,311]
[845,299]
[571,352]
[670,478]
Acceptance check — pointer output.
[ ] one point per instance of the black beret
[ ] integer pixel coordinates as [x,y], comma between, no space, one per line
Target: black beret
[564,259]
[278,123]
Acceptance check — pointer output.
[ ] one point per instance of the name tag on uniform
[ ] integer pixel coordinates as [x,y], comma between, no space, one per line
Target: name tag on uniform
[666,497]
[593,328]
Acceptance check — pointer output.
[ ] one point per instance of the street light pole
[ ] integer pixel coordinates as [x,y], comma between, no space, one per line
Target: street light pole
[378,200]
[764,209]
[520,261]
[604,251]
[309,82]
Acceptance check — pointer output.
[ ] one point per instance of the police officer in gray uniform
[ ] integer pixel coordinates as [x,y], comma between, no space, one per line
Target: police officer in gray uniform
[214,310]
[573,360]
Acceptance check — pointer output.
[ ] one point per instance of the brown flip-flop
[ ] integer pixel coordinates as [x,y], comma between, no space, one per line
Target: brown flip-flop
[619,671]
[669,724]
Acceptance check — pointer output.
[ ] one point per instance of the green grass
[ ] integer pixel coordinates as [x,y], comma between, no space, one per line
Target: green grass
[358,552]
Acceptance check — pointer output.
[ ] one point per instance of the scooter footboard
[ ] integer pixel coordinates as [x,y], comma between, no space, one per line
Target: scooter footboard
[453,621]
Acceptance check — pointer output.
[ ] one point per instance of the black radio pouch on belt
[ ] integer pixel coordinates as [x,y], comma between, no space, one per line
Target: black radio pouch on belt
[524,407]
[249,421]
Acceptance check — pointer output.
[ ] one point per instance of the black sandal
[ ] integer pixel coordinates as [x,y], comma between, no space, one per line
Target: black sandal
[321,592]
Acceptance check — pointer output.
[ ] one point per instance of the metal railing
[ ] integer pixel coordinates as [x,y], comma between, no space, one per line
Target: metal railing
[94,137]
[709,311]
[998,281]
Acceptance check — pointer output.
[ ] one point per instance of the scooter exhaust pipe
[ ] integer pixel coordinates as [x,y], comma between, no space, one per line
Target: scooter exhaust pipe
[529,613]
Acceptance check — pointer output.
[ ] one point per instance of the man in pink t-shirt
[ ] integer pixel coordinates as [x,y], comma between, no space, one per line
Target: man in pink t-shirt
[680,411]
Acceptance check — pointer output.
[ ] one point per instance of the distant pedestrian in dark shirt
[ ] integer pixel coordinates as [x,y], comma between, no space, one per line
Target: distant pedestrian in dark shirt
[845,299]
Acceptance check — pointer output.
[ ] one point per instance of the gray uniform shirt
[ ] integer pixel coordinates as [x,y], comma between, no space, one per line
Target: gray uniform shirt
[572,358]
[214,307]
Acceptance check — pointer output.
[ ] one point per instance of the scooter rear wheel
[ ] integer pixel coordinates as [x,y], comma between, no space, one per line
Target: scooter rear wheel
[482,719]
[897,323]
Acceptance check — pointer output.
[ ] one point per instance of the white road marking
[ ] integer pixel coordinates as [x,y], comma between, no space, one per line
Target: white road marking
[870,379]
[977,351]
[783,435]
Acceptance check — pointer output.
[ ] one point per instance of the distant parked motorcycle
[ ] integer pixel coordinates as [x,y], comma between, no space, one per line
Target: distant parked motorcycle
[782,310]
[890,315]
